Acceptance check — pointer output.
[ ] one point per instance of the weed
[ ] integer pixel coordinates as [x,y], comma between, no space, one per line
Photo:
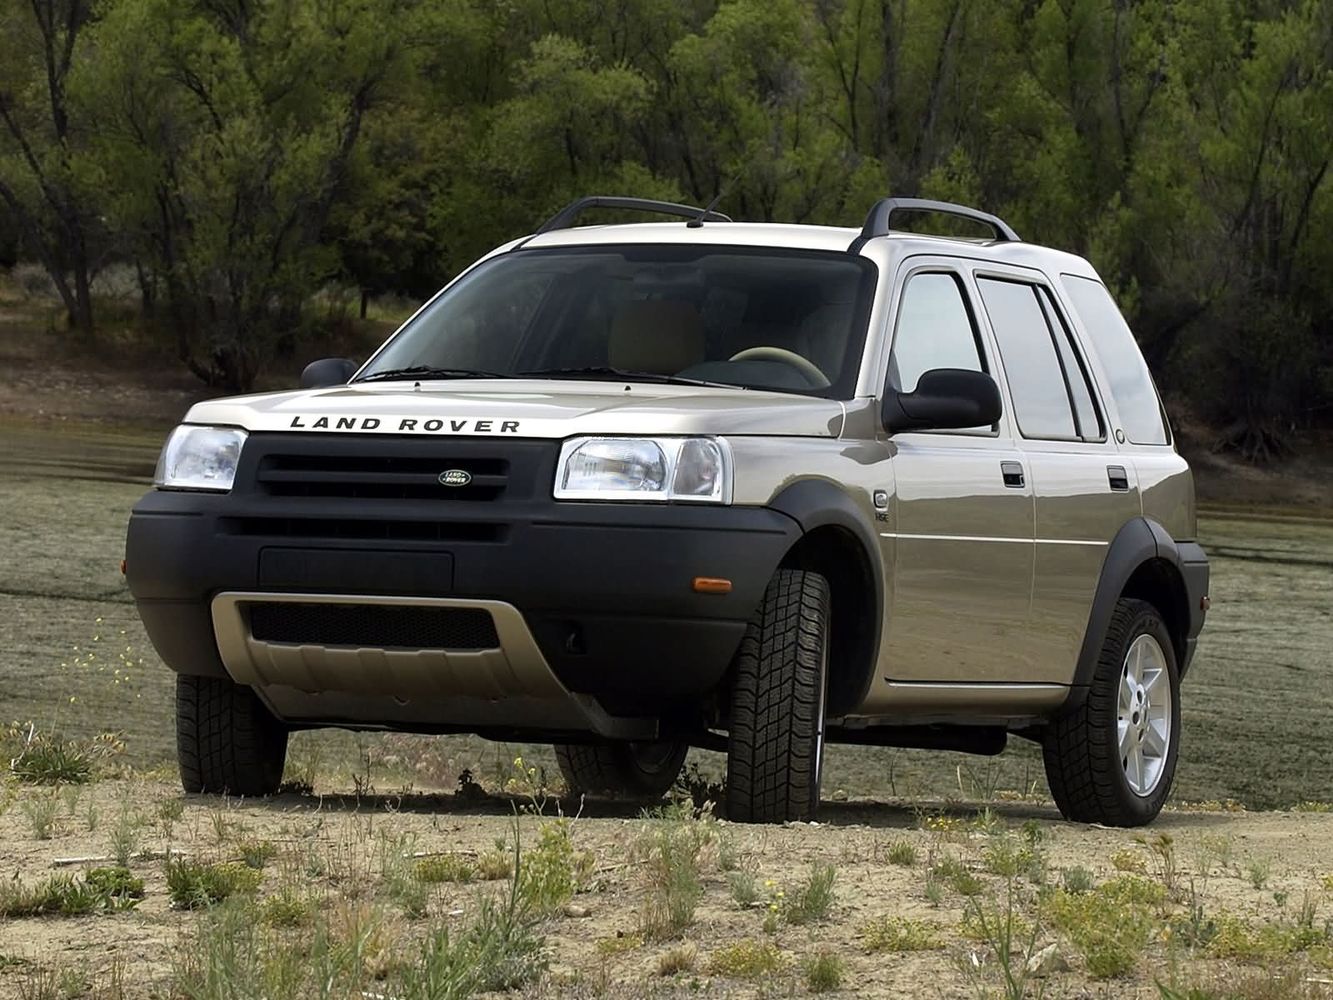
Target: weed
[62,895]
[680,959]
[823,972]
[126,834]
[493,865]
[553,870]
[902,852]
[1110,925]
[619,944]
[670,848]
[889,933]
[954,873]
[43,759]
[1258,871]
[744,888]
[256,853]
[1012,941]
[729,858]
[41,811]
[1129,860]
[1077,880]
[444,868]
[933,890]
[1011,859]
[697,788]
[194,884]
[813,898]
[286,908]
[1313,806]
[747,959]
[1162,850]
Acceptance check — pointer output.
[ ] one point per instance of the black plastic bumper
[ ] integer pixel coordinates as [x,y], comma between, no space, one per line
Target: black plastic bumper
[606,588]
[1194,571]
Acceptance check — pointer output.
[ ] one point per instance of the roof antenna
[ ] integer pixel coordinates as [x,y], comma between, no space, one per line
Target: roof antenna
[698,220]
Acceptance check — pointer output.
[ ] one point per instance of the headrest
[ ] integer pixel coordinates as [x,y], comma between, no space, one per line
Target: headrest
[663,336]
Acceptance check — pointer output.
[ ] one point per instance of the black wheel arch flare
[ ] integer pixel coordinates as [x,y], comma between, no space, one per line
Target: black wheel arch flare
[824,510]
[1144,561]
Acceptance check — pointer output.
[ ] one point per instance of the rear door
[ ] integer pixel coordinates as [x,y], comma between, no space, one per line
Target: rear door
[1084,489]
[961,545]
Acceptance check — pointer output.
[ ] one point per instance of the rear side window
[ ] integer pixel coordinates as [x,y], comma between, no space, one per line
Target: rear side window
[935,330]
[1131,385]
[1042,386]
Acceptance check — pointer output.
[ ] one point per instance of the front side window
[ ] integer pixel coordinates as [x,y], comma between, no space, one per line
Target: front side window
[935,330]
[1131,384]
[791,321]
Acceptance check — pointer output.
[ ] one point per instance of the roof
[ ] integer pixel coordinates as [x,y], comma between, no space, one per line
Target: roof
[827,238]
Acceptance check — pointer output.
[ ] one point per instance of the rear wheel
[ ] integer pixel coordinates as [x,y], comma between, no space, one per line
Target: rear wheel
[226,740]
[621,770]
[1112,760]
[776,744]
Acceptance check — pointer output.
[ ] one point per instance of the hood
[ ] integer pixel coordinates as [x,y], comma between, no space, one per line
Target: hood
[527,408]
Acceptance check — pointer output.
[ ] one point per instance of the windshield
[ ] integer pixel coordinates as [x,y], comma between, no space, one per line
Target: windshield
[787,320]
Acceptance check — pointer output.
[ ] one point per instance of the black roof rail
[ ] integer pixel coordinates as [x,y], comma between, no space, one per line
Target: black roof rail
[564,218]
[877,220]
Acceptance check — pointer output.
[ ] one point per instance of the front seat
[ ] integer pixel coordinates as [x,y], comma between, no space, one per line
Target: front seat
[662,336]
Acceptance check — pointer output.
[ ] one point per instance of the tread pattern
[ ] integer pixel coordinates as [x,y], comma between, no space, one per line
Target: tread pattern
[613,770]
[774,751]
[226,740]
[1080,749]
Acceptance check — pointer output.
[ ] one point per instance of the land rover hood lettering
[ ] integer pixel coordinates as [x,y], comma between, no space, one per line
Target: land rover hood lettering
[405,425]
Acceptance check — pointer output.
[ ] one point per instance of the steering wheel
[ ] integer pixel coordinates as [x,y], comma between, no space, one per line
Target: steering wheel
[803,365]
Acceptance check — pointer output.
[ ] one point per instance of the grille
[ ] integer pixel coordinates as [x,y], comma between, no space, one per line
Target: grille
[364,530]
[381,477]
[374,626]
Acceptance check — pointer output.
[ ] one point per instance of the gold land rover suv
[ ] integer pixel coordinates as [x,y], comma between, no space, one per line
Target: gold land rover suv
[635,488]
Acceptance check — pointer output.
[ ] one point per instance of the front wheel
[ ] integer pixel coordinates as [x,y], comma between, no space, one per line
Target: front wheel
[1112,760]
[636,771]
[775,749]
[227,741]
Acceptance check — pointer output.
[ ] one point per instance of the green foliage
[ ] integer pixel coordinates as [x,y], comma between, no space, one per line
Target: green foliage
[902,852]
[747,959]
[823,972]
[669,848]
[890,933]
[553,870]
[1110,925]
[65,896]
[243,159]
[196,884]
[444,868]
[812,899]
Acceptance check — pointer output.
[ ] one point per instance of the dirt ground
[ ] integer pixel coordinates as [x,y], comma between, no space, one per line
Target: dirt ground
[1221,855]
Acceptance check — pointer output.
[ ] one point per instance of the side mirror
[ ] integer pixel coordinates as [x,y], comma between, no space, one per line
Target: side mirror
[944,398]
[327,372]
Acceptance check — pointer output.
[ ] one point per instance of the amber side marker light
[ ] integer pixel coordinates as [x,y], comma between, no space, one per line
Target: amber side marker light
[711,585]
[122,567]
[1206,603]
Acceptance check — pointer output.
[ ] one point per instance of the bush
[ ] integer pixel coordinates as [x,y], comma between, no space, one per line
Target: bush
[747,960]
[444,868]
[813,898]
[890,933]
[823,972]
[62,895]
[194,885]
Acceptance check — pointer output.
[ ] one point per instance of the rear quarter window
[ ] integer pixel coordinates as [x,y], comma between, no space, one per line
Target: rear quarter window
[1131,386]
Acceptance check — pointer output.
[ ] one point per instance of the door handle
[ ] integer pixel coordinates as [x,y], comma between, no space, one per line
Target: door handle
[1013,474]
[1118,478]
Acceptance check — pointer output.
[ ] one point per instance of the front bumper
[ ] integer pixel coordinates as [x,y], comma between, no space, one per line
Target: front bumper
[605,589]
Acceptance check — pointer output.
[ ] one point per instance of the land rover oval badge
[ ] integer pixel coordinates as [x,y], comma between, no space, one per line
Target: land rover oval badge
[455,477]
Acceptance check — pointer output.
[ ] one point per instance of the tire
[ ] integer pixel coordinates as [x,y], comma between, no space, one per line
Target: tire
[635,771]
[227,742]
[1092,778]
[775,748]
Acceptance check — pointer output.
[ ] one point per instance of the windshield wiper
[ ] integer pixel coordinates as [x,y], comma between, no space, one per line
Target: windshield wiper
[605,371]
[426,371]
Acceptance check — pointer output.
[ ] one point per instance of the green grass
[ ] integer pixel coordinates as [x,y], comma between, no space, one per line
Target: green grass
[1268,643]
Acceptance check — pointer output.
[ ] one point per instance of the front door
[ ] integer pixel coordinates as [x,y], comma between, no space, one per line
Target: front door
[961,538]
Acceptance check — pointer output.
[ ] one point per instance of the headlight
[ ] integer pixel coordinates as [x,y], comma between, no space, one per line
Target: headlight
[606,468]
[199,458]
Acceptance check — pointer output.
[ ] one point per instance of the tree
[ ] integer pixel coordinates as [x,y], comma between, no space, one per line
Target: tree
[47,185]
